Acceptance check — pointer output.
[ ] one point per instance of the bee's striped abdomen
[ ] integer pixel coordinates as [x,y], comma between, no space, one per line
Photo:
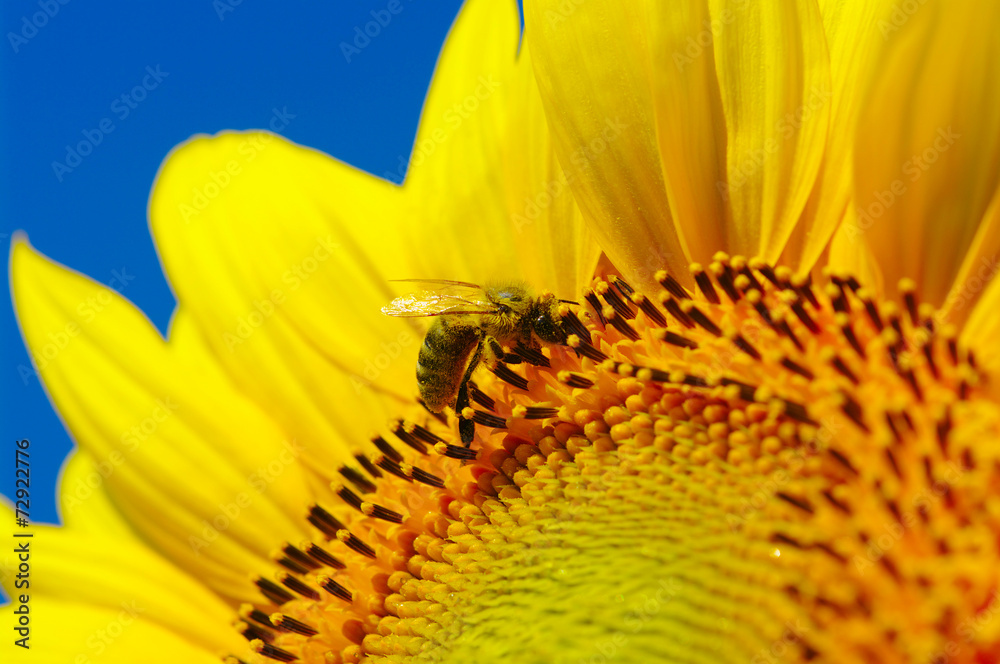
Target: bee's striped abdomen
[443,359]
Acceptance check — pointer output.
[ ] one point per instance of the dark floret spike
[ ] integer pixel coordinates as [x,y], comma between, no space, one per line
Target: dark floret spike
[272,652]
[324,521]
[299,557]
[675,339]
[488,419]
[322,556]
[746,391]
[575,380]
[595,303]
[391,466]
[348,496]
[385,448]
[873,314]
[673,308]
[368,466]
[740,342]
[502,372]
[335,589]
[357,479]
[251,632]
[672,285]
[795,367]
[571,323]
[842,368]
[422,476]
[705,284]
[355,543]
[457,452]
[532,356]
[290,624]
[704,321]
[590,352]
[480,397]
[724,277]
[273,591]
[289,564]
[399,430]
[423,434]
[616,302]
[540,413]
[647,307]
[803,315]
[297,586]
[621,325]
[623,287]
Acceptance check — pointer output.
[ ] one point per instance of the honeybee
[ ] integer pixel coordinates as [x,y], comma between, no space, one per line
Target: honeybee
[472,324]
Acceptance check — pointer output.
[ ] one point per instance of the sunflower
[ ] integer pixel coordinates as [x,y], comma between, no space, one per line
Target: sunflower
[769,433]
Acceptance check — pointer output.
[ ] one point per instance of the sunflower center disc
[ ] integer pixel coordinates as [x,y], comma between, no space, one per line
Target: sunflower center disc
[759,469]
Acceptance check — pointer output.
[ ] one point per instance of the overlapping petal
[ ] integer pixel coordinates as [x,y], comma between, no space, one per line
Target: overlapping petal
[111,589]
[286,289]
[83,632]
[742,97]
[592,67]
[852,37]
[927,150]
[197,470]
[486,194]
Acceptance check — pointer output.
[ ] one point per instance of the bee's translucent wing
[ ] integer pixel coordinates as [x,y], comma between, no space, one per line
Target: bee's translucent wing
[440,298]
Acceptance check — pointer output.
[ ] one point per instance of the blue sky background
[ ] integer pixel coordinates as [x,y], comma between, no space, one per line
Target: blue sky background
[67,63]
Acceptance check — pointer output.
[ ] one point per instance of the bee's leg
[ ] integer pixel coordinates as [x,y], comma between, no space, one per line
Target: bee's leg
[467,428]
[493,353]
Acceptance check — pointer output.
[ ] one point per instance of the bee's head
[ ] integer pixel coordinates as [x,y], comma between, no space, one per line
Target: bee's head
[546,323]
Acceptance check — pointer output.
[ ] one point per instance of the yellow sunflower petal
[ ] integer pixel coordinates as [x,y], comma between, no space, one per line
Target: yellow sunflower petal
[975,295]
[591,64]
[927,142]
[64,631]
[976,273]
[485,190]
[282,257]
[158,424]
[742,96]
[82,484]
[852,36]
[110,573]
